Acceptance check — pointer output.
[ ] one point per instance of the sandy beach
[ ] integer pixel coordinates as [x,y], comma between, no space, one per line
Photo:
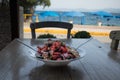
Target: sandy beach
[100,33]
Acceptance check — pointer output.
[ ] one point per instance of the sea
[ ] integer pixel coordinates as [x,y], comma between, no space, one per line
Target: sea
[89,19]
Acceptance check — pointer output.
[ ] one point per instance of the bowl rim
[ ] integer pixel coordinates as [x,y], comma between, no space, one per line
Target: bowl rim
[82,51]
[56,61]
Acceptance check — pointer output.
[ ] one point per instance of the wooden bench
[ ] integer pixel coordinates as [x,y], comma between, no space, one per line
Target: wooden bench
[115,36]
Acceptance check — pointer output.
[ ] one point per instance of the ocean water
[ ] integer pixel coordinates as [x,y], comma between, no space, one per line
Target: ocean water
[89,19]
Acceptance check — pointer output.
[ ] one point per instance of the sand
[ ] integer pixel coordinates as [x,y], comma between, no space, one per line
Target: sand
[100,33]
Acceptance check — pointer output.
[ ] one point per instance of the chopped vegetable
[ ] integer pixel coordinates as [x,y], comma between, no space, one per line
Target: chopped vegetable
[56,50]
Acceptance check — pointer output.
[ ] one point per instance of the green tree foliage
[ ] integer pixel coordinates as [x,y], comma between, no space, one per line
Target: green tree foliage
[30,4]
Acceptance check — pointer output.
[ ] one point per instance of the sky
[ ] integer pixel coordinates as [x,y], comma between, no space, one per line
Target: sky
[83,4]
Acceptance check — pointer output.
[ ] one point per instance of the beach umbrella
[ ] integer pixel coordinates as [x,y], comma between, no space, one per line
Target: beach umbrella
[75,14]
[49,13]
[102,14]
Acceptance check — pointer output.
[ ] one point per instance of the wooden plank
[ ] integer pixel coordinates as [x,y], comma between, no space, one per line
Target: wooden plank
[71,72]
[17,64]
[78,71]
[5,63]
[98,63]
[90,70]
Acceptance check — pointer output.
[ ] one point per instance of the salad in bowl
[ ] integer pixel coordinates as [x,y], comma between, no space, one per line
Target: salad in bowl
[55,52]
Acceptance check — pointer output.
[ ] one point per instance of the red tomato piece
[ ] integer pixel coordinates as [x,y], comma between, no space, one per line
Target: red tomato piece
[56,53]
[52,48]
[64,49]
[54,57]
